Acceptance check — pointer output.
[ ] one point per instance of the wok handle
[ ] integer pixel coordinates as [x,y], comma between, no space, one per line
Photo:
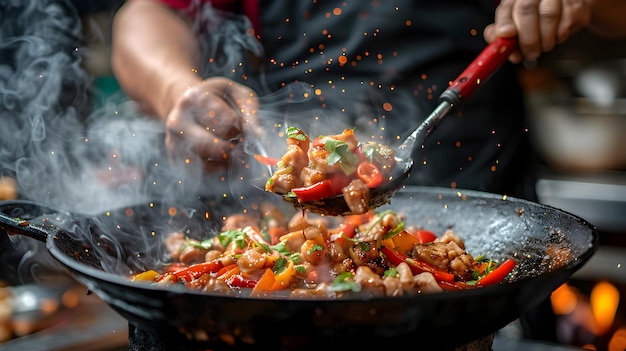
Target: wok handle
[484,65]
[19,226]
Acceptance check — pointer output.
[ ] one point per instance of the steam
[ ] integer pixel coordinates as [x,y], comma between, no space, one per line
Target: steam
[67,154]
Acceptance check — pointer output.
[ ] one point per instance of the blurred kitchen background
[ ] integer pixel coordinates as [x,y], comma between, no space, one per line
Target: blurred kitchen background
[577,101]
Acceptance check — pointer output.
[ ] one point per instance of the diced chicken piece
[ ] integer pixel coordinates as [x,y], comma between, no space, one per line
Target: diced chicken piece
[357,196]
[449,236]
[447,257]
[238,221]
[426,283]
[295,157]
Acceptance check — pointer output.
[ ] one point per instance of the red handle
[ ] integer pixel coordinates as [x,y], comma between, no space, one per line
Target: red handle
[484,65]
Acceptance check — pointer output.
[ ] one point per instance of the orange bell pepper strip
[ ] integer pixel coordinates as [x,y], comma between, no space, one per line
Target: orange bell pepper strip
[283,278]
[404,242]
[266,160]
[227,271]
[265,283]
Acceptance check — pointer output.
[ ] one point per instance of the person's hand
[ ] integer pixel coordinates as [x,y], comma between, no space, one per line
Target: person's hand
[207,121]
[538,24]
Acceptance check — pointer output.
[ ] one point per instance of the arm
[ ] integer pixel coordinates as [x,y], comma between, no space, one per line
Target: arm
[156,59]
[541,25]
[155,55]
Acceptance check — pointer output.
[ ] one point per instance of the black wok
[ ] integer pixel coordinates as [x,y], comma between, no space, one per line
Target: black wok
[101,251]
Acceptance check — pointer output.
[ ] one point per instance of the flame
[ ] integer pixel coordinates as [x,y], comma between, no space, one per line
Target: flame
[564,300]
[618,341]
[604,300]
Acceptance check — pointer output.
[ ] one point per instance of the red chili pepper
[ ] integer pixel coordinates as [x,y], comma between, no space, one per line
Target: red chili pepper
[498,274]
[199,269]
[266,160]
[237,281]
[359,153]
[416,266]
[425,236]
[370,174]
[321,190]
[318,143]
[453,286]
[176,266]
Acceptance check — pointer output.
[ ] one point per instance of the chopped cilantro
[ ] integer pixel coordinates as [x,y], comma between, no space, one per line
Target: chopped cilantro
[279,265]
[369,150]
[205,244]
[295,133]
[345,282]
[315,247]
[238,236]
[365,246]
[300,269]
[391,272]
[340,153]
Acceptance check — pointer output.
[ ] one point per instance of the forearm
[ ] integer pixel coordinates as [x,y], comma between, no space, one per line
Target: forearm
[607,18]
[155,55]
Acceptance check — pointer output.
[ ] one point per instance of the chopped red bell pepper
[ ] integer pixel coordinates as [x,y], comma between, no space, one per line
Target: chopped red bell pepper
[318,143]
[321,190]
[453,286]
[425,236]
[199,269]
[238,281]
[416,266]
[359,153]
[497,275]
[266,160]
[370,174]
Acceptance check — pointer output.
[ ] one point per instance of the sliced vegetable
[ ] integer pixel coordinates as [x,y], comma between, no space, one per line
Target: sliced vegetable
[497,275]
[282,275]
[199,269]
[238,281]
[416,266]
[345,282]
[265,283]
[340,153]
[266,160]
[295,133]
[321,190]
[404,242]
[227,271]
[425,236]
[370,174]
[149,275]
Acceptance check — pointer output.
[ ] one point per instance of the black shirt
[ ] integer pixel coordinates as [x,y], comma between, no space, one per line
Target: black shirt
[362,55]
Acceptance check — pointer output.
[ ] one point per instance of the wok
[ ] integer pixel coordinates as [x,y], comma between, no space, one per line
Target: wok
[101,251]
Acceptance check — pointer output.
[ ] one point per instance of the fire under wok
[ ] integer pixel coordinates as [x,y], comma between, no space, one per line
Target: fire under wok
[101,251]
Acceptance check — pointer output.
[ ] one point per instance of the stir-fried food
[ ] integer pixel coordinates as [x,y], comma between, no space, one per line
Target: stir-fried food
[331,165]
[371,255]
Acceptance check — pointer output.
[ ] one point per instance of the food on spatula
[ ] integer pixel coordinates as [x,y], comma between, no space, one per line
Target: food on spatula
[331,165]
